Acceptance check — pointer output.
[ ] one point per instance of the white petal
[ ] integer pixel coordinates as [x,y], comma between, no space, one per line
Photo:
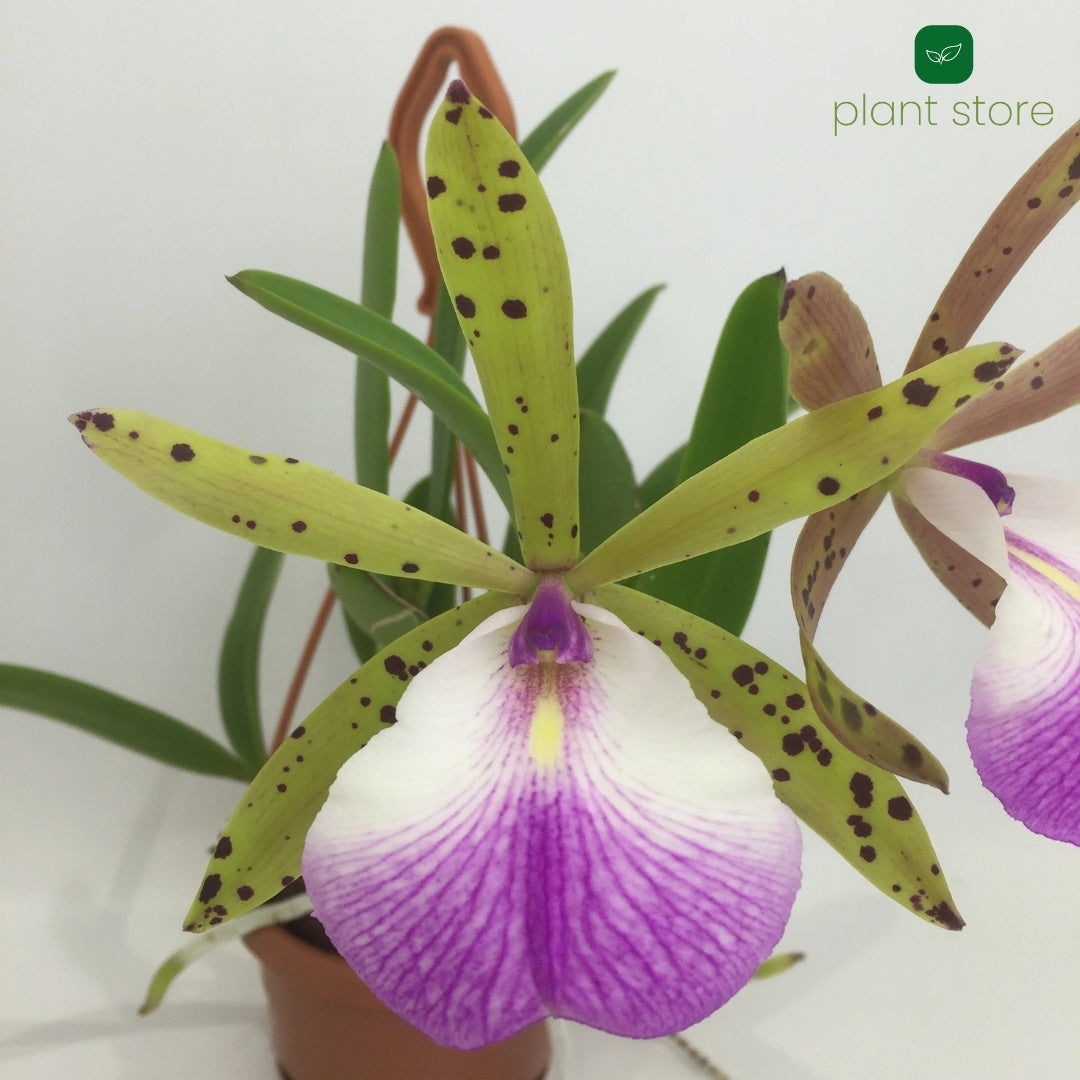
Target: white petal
[1024,723]
[574,839]
[1024,726]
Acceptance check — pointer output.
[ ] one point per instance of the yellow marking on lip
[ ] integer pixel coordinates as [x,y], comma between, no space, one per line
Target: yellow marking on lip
[1051,573]
[546,727]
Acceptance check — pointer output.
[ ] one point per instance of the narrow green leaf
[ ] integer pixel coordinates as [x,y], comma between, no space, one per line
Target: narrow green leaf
[807,465]
[662,479]
[289,505]
[268,915]
[238,663]
[450,345]
[118,719]
[372,412]
[381,231]
[539,145]
[373,606]
[608,489]
[745,396]
[600,363]
[504,264]
[779,963]
[858,808]
[259,851]
[391,349]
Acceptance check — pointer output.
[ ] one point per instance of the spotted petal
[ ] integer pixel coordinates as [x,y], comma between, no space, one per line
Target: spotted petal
[289,505]
[1038,388]
[832,354]
[1019,223]
[575,840]
[505,268]
[1024,724]
[813,463]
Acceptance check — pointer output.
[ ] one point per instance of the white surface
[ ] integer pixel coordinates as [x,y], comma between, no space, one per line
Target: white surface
[150,149]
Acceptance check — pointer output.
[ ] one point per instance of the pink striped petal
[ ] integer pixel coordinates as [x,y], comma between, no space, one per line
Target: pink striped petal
[1024,724]
[574,839]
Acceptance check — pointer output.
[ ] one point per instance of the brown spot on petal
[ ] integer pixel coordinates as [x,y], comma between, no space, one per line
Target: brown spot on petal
[514,309]
[509,204]
[181,451]
[435,186]
[465,305]
[463,247]
[509,168]
[990,370]
[919,392]
[210,888]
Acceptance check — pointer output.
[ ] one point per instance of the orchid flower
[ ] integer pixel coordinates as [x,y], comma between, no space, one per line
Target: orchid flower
[573,799]
[988,536]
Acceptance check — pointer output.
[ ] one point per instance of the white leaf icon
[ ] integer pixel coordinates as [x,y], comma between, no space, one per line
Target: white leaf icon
[935,56]
[951,52]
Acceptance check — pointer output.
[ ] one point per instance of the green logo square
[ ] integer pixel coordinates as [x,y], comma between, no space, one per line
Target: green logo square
[944,54]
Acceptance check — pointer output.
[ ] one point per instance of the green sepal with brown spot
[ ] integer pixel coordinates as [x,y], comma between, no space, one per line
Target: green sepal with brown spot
[807,465]
[864,729]
[289,505]
[861,810]
[824,545]
[259,851]
[505,269]
[1020,222]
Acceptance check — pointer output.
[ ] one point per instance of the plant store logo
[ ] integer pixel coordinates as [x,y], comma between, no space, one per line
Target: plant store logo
[944,54]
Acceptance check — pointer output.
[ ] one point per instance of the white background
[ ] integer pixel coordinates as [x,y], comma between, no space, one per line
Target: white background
[149,149]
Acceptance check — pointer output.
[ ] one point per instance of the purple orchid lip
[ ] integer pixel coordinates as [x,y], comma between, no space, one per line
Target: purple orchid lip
[991,480]
[550,625]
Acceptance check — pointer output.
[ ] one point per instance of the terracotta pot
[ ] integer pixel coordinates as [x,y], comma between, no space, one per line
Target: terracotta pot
[327,1025]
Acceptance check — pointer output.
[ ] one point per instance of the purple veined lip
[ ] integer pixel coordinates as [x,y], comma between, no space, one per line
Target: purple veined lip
[991,480]
[550,625]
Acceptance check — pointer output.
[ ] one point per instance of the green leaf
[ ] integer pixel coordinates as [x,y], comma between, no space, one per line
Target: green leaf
[289,505]
[391,349]
[600,363]
[608,489]
[807,465]
[861,810]
[118,719]
[372,412]
[259,851]
[283,911]
[238,663]
[542,142]
[745,396]
[373,606]
[504,264]
[450,345]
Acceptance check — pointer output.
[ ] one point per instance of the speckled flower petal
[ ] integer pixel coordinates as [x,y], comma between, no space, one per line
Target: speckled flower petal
[1033,390]
[968,578]
[858,808]
[1021,221]
[825,542]
[576,840]
[1024,724]
[258,853]
[828,341]
[813,463]
[505,268]
[289,505]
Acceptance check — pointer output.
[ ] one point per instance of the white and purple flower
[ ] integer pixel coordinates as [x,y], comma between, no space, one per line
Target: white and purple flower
[1008,547]
[572,799]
